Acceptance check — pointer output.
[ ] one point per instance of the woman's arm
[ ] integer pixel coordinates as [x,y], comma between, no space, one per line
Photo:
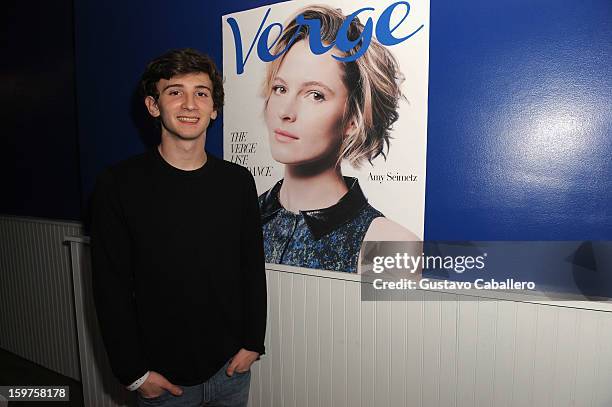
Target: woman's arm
[385,230]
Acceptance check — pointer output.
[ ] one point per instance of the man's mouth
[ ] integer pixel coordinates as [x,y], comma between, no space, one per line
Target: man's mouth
[187,119]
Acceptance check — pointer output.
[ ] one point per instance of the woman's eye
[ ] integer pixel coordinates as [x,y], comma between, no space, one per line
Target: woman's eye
[316,96]
[278,89]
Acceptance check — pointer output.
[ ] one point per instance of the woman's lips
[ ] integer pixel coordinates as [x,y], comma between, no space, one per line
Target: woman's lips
[282,135]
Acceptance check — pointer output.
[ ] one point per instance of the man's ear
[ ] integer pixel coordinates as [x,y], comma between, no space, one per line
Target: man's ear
[213,115]
[152,107]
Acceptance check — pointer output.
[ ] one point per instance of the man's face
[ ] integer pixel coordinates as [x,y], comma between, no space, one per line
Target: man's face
[185,105]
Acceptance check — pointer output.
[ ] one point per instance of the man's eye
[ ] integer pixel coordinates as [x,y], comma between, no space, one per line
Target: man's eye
[202,94]
[173,92]
[278,89]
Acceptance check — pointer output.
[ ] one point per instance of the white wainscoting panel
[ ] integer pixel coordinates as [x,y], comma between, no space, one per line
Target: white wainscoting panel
[37,319]
[327,348]
[100,388]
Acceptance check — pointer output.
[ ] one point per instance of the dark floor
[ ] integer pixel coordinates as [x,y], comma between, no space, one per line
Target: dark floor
[16,371]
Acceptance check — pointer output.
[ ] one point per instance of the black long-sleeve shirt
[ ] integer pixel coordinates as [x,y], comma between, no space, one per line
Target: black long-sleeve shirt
[178,267]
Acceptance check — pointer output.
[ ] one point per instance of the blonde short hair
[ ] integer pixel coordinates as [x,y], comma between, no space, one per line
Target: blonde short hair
[373,82]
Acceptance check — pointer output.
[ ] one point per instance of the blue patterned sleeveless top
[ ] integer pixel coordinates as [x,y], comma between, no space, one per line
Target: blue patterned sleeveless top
[328,239]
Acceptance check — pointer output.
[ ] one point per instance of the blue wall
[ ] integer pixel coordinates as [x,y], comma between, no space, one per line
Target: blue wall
[520,120]
[39,167]
[520,96]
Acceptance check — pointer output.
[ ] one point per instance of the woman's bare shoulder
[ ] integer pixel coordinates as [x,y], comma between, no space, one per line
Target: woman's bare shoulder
[383,229]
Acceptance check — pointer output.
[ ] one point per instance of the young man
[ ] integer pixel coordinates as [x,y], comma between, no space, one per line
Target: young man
[178,265]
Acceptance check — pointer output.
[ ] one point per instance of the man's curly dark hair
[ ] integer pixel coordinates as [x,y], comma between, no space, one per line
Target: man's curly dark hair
[178,62]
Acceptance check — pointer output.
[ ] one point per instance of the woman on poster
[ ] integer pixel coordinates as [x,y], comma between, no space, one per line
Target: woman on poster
[320,112]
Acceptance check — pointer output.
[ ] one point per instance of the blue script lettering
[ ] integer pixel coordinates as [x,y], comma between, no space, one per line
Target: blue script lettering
[316,45]
[384,34]
[343,43]
[240,59]
[263,50]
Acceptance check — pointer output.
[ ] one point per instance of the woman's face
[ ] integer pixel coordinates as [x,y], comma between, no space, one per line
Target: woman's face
[305,109]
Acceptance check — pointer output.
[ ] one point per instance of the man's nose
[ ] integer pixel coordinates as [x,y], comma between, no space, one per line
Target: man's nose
[188,102]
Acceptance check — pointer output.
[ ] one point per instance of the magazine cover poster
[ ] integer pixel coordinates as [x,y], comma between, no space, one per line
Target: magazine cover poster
[326,105]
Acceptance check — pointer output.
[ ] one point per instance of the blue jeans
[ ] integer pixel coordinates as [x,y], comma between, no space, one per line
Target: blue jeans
[218,391]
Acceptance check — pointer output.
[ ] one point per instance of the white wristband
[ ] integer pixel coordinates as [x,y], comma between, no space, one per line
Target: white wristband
[138,382]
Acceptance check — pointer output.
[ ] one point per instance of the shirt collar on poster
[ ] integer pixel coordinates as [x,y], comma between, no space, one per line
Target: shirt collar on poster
[320,221]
